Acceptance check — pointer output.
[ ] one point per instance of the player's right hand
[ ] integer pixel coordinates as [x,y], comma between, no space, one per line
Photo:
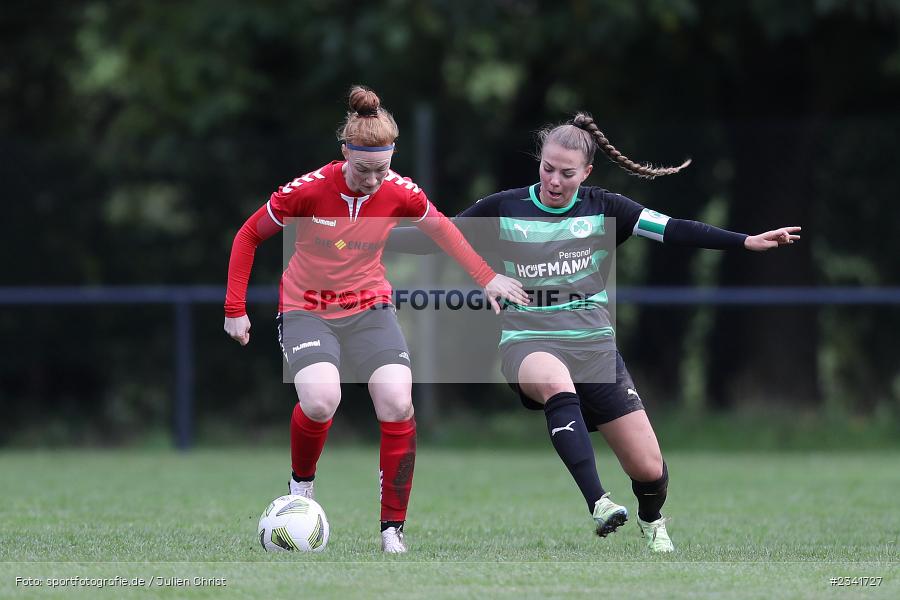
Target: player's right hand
[238,328]
[772,239]
[507,288]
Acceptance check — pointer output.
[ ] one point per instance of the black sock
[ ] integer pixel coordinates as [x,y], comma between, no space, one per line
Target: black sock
[398,525]
[299,479]
[570,437]
[651,495]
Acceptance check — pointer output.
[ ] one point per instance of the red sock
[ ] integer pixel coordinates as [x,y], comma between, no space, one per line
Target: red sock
[307,440]
[398,459]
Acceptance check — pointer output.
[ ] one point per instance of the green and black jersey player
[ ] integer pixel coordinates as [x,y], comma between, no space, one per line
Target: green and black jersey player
[559,352]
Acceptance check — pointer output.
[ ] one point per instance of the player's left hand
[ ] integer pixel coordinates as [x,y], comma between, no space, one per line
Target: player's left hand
[507,288]
[772,239]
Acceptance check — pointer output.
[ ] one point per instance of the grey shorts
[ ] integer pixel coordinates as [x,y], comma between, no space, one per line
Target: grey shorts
[358,344]
[601,379]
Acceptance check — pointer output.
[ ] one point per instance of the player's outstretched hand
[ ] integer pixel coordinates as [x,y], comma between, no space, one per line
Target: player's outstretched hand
[238,328]
[772,239]
[507,288]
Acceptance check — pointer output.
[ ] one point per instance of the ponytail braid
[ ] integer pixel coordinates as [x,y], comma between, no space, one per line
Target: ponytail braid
[585,122]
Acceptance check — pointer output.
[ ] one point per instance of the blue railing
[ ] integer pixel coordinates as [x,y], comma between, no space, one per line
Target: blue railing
[210,294]
[182,298]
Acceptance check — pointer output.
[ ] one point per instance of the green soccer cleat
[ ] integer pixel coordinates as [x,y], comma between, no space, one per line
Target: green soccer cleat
[608,515]
[656,534]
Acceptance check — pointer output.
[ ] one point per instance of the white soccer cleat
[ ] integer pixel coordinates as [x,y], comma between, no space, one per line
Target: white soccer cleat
[302,488]
[656,534]
[392,541]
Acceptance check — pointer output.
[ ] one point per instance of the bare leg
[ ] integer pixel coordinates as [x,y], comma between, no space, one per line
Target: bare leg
[634,442]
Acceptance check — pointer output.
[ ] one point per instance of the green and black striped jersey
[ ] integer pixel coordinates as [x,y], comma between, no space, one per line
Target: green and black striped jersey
[561,255]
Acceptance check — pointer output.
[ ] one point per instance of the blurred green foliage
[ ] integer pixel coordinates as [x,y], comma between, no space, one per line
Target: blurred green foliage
[137,136]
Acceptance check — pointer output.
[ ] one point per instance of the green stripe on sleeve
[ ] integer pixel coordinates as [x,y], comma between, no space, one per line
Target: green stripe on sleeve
[651,226]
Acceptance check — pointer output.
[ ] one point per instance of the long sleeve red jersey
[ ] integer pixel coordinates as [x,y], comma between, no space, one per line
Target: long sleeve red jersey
[335,269]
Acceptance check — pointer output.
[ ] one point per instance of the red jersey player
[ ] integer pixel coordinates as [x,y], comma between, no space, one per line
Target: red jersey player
[335,303]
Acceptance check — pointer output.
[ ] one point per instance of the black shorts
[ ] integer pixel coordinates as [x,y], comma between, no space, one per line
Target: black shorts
[361,343]
[590,368]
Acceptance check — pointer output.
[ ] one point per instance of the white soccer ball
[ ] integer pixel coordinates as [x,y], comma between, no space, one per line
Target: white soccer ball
[293,523]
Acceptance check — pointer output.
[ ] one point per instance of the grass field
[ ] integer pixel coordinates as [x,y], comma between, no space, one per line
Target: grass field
[483,524]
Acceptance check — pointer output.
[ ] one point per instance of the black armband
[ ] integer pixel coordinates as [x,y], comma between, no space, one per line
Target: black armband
[680,232]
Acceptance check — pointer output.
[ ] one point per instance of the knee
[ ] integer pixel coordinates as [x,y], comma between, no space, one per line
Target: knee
[319,402]
[551,388]
[542,391]
[647,468]
[394,407]
[391,389]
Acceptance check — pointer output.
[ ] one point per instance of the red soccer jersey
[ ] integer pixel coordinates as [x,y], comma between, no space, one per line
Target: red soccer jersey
[335,269]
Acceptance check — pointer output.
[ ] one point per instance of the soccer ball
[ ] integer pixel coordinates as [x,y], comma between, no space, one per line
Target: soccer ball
[293,523]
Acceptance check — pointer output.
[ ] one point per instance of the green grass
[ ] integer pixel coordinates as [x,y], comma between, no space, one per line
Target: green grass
[482,524]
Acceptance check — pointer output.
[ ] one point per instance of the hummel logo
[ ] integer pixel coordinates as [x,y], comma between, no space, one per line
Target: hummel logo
[568,427]
[524,230]
[631,392]
[296,349]
[328,222]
